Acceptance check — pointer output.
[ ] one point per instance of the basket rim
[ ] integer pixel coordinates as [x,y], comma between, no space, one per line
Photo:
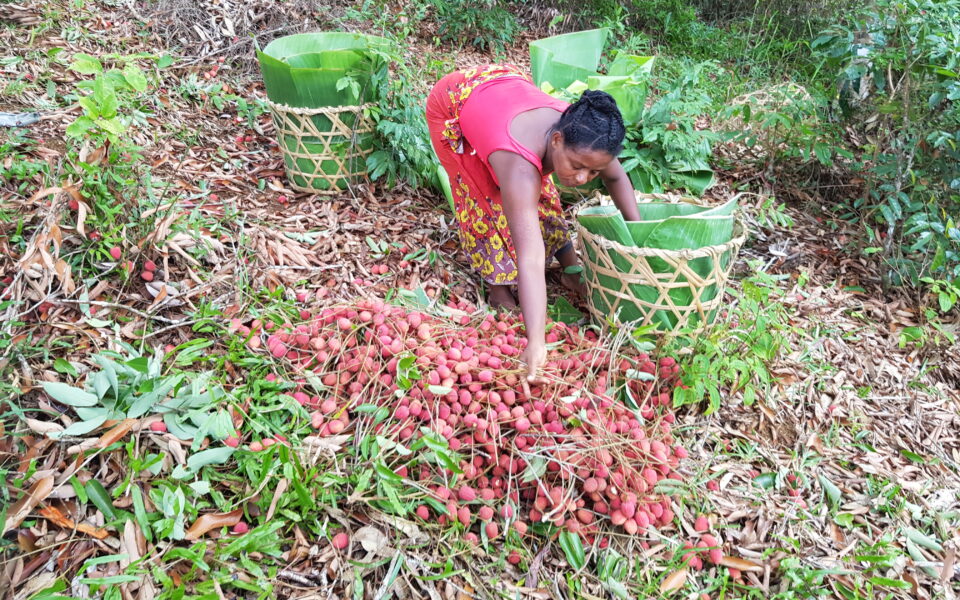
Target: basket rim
[686,253]
[303,110]
[739,230]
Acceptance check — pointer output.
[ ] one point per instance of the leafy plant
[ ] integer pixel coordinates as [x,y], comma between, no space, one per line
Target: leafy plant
[485,24]
[898,80]
[402,150]
[782,124]
[665,149]
[734,356]
[133,386]
[108,108]
[947,292]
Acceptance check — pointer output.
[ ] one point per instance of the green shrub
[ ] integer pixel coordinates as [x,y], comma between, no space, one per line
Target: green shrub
[485,24]
[898,86]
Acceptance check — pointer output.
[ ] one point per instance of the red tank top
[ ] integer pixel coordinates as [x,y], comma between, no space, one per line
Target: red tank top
[486,116]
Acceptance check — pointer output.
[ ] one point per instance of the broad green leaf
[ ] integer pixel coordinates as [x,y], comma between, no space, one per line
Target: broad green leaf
[105,97]
[921,539]
[385,473]
[765,480]
[164,61]
[913,456]
[110,371]
[90,105]
[86,64]
[394,498]
[100,498]
[62,365]
[833,493]
[536,467]
[69,395]
[147,401]
[140,512]
[388,444]
[304,69]
[563,59]
[631,65]
[178,428]
[139,364]
[887,582]
[82,427]
[114,79]
[80,126]
[134,77]
[113,126]
[844,520]
[564,312]
[607,222]
[200,487]
[628,93]
[209,457]
[572,549]
[639,375]
[87,413]
[101,383]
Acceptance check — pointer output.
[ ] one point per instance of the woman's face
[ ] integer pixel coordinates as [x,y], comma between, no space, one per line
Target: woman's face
[576,166]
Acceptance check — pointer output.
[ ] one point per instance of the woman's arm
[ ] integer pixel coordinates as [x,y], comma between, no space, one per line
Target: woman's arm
[520,184]
[620,189]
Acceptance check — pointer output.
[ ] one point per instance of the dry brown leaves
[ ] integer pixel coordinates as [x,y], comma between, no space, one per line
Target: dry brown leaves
[850,408]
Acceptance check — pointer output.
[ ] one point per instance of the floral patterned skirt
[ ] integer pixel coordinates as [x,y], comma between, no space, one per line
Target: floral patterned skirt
[484,234]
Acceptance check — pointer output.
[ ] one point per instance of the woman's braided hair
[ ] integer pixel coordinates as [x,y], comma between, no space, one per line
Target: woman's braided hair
[593,122]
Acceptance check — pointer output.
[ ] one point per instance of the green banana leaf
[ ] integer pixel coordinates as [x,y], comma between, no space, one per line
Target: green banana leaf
[654,213]
[695,175]
[687,233]
[631,65]
[564,59]
[696,182]
[445,187]
[314,70]
[303,70]
[607,222]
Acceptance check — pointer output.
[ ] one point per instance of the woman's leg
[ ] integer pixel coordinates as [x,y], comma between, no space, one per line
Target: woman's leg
[501,296]
[572,281]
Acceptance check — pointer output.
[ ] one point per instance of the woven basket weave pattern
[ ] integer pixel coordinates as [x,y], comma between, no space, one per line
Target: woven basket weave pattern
[615,273]
[339,147]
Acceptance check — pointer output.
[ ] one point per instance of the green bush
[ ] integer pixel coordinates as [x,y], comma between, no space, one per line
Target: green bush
[897,84]
[485,24]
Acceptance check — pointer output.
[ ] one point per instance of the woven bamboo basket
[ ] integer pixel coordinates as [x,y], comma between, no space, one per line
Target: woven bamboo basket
[324,149]
[672,290]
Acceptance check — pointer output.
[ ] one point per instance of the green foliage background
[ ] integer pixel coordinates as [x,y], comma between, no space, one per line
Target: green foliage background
[822,93]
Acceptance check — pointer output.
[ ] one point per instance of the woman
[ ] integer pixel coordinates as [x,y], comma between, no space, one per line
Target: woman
[499,138]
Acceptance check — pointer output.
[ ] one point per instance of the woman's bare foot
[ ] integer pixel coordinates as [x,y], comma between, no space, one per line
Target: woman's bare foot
[574,283]
[500,296]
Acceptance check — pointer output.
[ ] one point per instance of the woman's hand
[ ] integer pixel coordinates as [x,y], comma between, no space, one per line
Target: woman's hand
[534,356]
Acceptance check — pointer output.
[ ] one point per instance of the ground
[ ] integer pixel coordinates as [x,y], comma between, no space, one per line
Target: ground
[826,463]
